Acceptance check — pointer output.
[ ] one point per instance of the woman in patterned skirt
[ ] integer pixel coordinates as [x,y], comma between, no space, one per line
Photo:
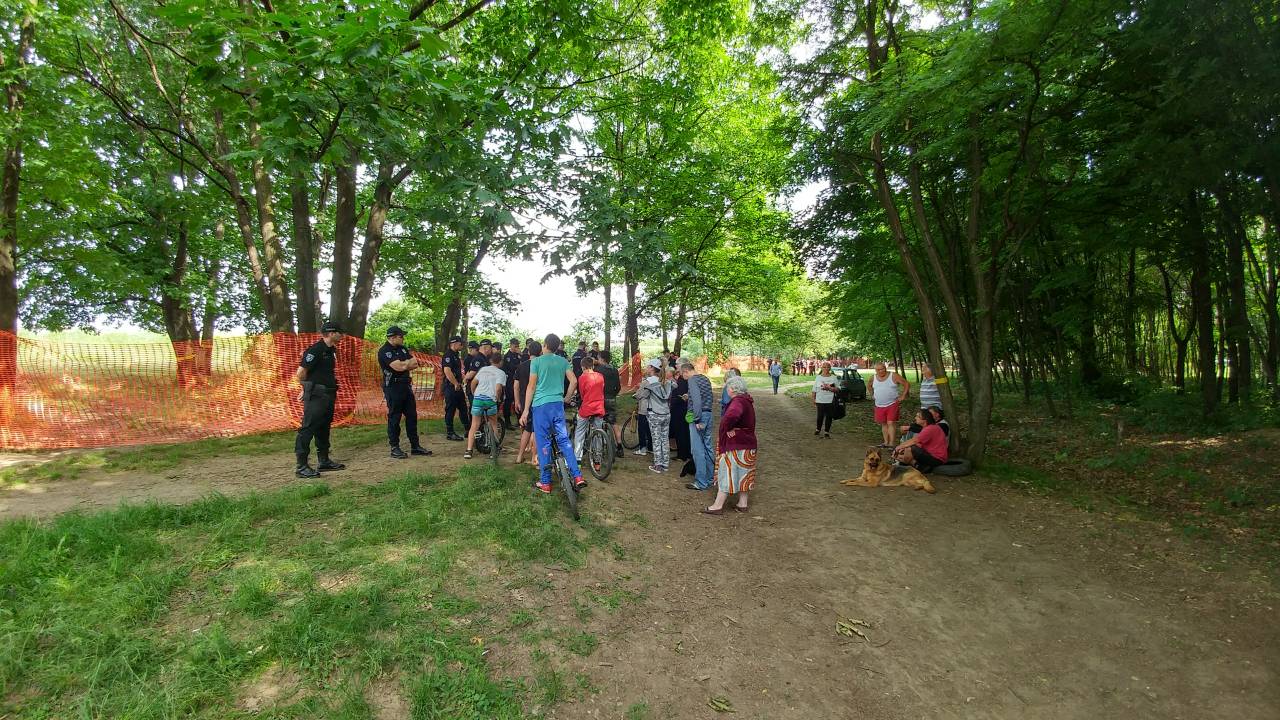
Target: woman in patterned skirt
[736,462]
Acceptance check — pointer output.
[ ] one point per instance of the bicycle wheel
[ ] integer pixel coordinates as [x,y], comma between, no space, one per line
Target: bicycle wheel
[493,441]
[631,432]
[599,452]
[566,482]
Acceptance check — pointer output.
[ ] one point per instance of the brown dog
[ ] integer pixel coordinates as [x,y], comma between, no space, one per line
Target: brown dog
[877,473]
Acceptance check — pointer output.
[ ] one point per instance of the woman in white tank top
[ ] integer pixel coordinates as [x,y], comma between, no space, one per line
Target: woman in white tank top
[884,390]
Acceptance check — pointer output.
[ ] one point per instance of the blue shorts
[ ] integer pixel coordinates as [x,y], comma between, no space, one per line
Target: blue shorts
[483,406]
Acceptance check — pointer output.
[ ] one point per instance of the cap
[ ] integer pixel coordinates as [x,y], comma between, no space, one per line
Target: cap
[394,331]
[656,364]
[515,341]
[330,326]
[486,341]
[454,339]
[473,344]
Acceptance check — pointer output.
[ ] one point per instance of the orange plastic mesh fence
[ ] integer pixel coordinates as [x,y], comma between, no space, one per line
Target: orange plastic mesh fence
[56,395]
[70,395]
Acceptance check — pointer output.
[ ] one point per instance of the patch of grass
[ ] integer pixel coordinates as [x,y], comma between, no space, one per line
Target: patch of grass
[638,711]
[578,642]
[174,610]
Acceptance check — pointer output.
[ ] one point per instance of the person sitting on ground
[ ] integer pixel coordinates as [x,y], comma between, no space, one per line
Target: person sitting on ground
[942,422]
[591,402]
[486,390]
[927,450]
[736,461]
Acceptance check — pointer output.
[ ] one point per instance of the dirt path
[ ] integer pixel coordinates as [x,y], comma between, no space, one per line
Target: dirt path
[982,602]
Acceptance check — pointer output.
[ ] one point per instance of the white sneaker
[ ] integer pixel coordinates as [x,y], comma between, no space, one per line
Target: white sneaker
[641,451]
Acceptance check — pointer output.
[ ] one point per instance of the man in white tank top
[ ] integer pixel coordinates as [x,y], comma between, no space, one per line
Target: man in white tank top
[888,398]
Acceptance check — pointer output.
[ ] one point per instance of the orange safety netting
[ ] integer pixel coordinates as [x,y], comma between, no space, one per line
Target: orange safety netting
[78,395]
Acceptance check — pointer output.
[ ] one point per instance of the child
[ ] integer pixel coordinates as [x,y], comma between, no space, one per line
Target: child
[659,415]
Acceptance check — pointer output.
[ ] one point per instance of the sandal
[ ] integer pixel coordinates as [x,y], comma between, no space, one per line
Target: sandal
[709,511]
[466,455]
[741,509]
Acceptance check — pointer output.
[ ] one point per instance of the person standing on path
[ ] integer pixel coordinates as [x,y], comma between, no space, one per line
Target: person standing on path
[928,390]
[544,401]
[824,395]
[699,418]
[533,349]
[659,391]
[775,372]
[486,392]
[679,413]
[397,389]
[510,364]
[888,398]
[736,462]
[724,391]
[455,399]
[643,394]
[317,374]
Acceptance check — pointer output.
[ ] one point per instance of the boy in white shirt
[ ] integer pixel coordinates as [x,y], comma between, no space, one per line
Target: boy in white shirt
[486,393]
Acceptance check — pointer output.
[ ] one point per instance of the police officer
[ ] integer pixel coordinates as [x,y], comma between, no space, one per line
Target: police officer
[397,387]
[455,400]
[475,361]
[319,393]
[510,363]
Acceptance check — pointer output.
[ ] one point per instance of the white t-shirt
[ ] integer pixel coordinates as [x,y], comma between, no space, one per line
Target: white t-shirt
[825,396]
[488,378]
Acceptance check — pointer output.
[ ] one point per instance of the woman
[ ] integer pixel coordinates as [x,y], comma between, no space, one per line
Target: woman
[885,391]
[825,387]
[736,462]
[927,450]
[658,391]
[679,425]
[724,394]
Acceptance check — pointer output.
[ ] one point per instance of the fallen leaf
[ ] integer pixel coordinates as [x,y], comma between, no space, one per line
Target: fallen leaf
[720,704]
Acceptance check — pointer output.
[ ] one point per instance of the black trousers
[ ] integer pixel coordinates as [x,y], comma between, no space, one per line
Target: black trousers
[401,402]
[455,401]
[680,429]
[317,417]
[824,416]
[508,399]
[646,438]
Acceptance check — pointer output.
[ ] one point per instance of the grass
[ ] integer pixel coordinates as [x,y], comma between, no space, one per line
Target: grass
[159,458]
[311,593]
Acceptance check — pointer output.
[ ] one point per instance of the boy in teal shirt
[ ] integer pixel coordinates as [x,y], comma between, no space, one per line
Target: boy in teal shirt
[544,400]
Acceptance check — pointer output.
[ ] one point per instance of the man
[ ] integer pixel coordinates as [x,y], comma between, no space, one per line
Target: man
[612,386]
[595,351]
[591,405]
[510,364]
[319,381]
[475,361]
[486,349]
[455,400]
[397,389]
[885,391]
[775,372]
[528,353]
[544,403]
[521,384]
[486,388]
[578,354]
[700,428]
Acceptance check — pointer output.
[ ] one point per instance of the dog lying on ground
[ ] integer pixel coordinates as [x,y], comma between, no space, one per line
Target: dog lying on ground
[878,473]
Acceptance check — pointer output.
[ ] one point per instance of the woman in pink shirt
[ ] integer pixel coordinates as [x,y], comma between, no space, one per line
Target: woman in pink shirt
[928,449]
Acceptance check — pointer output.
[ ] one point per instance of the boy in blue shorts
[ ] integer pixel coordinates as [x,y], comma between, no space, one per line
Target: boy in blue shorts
[544,402]
[486,389]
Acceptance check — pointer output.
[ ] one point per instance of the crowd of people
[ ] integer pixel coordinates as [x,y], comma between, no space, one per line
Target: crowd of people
[536,381]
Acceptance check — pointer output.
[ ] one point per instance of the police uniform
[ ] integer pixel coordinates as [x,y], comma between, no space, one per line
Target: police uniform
[319,395]
[397,388]
[455,400]
[510,361]
[474,364]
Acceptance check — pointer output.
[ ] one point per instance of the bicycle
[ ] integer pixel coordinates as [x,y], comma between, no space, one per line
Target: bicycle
[560,469]
[599,449]
[490,442]
[631,431]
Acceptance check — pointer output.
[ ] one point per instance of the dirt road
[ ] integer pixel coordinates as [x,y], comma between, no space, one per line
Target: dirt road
[979,602]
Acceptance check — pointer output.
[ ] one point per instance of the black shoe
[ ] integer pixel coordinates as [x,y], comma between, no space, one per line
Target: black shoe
[420,451]
[397,453]
[455,437]
[306,471]
[620,452]
[327,464]
[691,486]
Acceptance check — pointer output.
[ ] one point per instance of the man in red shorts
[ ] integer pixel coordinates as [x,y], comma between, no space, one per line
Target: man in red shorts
[888,398]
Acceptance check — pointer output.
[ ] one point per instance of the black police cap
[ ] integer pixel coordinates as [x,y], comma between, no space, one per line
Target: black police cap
[454,339]
[395,331]
[486,341]
[473,344]
[330,326]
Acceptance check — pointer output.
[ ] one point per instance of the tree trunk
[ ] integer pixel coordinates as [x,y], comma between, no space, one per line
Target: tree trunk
[681,317]
[1090,367]
[1130,313]
[1202,306]
[344,236]
[244,222]
[304,255]
[1237,319]
[665,320]
[15,97]
[280,317]
[608,316]
[632,329]
[367,275]
[179,320]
